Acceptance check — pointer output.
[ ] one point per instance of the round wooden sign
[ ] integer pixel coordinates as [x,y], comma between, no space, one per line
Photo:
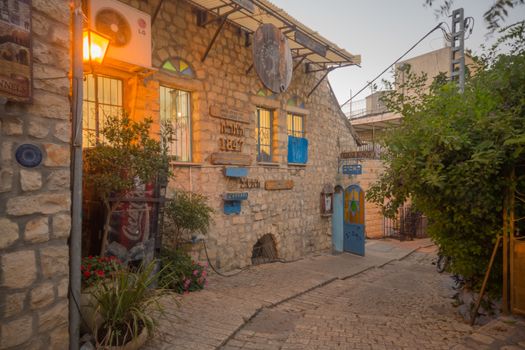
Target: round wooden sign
[272,58]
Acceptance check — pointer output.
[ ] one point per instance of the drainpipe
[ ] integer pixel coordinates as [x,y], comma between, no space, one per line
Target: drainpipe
[75,249]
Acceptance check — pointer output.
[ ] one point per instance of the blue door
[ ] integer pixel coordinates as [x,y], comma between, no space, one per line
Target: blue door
[337,222]
[354,220]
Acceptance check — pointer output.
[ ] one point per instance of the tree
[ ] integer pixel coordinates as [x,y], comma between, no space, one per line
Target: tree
[454,154]
[496,13]
[125,155]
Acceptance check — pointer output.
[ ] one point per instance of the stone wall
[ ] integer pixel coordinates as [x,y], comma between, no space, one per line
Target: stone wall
[293,217]
[35,203]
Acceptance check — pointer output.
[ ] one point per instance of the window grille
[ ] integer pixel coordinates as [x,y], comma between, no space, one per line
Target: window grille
[102,98]
[263,134]
[295,125]
[175,108]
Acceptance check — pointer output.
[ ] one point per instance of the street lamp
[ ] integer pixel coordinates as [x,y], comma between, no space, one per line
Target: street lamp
[95,46]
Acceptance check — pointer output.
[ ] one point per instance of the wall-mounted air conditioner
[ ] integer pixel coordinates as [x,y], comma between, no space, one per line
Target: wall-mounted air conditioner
[129,31]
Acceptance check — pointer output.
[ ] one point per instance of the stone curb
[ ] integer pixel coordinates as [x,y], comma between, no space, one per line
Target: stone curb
[322,284]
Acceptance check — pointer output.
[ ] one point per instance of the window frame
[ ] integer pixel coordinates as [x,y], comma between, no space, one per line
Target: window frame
[293,132]
[258,133]
[173,154]
[99,119]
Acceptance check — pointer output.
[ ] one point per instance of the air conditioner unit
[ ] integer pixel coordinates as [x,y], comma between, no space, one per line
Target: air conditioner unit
[129,31]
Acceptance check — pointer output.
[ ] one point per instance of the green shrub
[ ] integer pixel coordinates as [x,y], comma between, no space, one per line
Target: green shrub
[181,273]
[185,214]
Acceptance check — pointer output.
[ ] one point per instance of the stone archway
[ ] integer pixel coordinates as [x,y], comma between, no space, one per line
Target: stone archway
[264,250]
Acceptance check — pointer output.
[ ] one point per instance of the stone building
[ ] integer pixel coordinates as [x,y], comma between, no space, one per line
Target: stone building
[195,72]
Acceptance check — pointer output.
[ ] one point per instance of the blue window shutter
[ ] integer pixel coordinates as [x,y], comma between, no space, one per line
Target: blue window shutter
[297,150]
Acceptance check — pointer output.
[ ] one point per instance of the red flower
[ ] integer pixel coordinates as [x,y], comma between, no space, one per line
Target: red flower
[87,274]
[100,273]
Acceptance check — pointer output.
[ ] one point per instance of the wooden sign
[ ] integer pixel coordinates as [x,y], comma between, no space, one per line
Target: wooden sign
[310,43]
[221,158]
[272,58]
[246,4]
[272,185]
[15,51]
[357,154]
[249,183]
[224,113]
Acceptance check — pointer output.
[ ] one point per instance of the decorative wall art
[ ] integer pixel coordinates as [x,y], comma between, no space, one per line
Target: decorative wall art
[15,50]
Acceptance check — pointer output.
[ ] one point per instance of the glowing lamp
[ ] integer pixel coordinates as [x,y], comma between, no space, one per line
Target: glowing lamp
[95,46]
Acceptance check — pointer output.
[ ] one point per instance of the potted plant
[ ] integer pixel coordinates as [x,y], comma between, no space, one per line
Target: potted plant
[126,304]
[125,154]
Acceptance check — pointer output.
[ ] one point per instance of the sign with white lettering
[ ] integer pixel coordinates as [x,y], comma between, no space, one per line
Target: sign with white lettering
[15,51]
[235,196]
[352,169]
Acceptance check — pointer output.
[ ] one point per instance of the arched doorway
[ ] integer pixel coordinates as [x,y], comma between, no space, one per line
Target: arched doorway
[354,220]
[264,250]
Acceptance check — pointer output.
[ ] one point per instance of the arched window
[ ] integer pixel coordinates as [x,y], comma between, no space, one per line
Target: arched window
[264,92]
[178,66]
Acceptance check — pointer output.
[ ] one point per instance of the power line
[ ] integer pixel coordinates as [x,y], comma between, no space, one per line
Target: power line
[390,66]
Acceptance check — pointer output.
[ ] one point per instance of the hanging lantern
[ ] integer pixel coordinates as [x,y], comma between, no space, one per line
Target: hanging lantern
[95,46]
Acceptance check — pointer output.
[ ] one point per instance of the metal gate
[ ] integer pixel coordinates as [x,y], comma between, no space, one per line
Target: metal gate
[408,224]
[354,220]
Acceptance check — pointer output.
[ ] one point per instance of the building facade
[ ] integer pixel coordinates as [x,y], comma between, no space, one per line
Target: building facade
[198,77]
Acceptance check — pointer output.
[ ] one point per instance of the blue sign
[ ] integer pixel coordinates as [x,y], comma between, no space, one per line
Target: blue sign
[235,196]
[353,169]
[236,172]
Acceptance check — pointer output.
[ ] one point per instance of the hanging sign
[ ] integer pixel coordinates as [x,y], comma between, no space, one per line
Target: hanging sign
[352,169]
[15,51]
[309,43]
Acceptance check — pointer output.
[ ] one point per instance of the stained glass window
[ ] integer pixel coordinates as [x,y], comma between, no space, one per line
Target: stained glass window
[295,101]
[178,66]
[175,108]
[102,98]
[295,125]
[263,134]
[264,92]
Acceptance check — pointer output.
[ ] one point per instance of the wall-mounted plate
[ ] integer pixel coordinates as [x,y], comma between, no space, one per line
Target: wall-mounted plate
[28,155]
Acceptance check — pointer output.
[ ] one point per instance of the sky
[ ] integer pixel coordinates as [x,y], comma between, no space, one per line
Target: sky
[382,30]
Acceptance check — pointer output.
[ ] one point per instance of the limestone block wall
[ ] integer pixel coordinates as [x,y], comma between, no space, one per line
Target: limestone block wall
[372,168]
[35,202]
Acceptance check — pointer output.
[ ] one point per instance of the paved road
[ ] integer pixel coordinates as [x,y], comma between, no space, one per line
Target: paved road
[403,305]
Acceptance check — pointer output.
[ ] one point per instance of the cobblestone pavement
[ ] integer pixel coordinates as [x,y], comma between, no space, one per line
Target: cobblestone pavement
[403,305]
[390,299]
[505,333]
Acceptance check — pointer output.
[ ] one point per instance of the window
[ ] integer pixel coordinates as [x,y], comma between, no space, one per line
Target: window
[102,98]
[263,134]
[175,108]
[295,125]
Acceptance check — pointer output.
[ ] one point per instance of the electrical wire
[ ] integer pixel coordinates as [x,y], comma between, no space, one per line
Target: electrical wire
[399,59]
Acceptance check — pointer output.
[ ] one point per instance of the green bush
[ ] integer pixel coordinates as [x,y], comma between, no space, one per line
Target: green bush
[185,214]
[181,273]
[453,156]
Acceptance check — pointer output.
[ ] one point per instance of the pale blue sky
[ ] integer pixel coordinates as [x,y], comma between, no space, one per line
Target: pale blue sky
[382,30]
